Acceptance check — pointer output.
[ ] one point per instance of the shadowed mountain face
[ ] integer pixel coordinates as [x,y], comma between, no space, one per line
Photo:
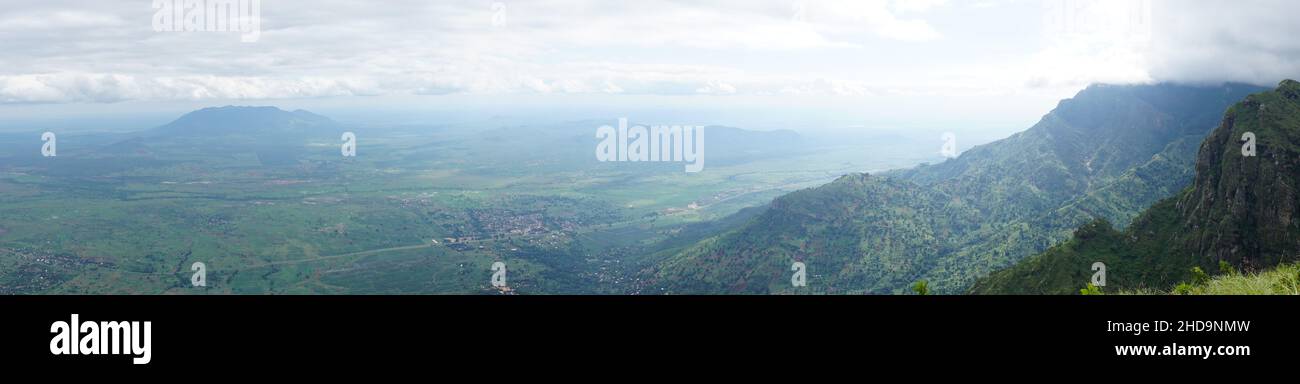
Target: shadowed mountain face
[1241,210]
[1109,152]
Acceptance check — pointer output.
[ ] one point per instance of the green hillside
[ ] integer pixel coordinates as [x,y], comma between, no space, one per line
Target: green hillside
[1240,210]
[1109,152]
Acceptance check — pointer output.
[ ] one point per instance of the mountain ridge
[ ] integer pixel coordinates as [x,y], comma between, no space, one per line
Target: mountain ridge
[1240,210]
[996,203]
[253,120]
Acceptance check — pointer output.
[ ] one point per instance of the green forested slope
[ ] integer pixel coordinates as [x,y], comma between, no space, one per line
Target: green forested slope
[1106,153]
[1240,210]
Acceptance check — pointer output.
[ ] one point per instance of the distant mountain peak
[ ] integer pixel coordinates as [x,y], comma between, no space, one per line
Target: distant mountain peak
[256,120]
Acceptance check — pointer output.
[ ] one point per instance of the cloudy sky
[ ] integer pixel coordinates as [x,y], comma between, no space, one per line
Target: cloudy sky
[991,61]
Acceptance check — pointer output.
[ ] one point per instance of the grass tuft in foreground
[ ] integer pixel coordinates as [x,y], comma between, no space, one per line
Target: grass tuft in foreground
[1283,280]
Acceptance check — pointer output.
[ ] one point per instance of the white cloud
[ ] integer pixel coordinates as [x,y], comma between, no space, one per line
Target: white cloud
[108,88]
[84,51]
[1190,41]
[827,87]
[78,51]
[886,19]
[1215,41]
[61,19]
[716,88]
